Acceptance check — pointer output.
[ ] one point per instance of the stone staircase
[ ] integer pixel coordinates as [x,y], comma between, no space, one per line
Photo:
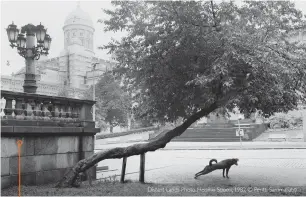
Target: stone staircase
[218,132]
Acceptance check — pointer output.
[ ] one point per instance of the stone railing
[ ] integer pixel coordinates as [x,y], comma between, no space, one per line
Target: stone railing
[45,110]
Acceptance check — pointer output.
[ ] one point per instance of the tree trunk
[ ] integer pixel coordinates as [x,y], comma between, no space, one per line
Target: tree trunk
[135,149]
[111,129]
[123,170]
[142,167]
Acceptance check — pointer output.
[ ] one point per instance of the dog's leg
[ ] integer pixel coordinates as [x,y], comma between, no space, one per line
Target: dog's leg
[198,174]
[227,170]
[223,172]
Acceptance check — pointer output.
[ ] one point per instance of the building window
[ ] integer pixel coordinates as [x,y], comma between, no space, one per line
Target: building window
[85,80]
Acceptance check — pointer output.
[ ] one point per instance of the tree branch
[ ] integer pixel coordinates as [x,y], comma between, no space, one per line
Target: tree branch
[136,149]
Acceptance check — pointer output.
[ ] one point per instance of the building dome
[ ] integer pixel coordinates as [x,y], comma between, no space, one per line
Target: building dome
[79,31]
[78,17]
[76,40]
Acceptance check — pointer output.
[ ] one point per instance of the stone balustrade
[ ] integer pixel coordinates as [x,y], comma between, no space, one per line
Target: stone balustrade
[42,108]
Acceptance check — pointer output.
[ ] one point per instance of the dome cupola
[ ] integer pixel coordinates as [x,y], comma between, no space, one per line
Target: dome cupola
[78,29]
[78,17]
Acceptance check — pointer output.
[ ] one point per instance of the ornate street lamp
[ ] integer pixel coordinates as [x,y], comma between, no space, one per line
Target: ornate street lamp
[25,44]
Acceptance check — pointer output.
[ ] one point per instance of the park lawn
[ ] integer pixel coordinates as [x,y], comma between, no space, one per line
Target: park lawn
[138,189]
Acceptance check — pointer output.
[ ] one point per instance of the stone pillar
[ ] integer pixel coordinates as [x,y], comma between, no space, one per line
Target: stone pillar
[29,80]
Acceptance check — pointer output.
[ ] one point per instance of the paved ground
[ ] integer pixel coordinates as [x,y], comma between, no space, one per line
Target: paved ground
[278,167]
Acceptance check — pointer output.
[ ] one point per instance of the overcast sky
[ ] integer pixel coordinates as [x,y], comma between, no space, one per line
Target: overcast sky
[52,15]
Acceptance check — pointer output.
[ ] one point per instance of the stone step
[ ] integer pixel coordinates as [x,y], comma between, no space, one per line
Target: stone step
[220,132]
[214,125]
[206,139]
[207,134]
[211,129]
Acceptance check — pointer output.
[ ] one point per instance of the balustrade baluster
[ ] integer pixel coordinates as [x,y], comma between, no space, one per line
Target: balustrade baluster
[65,113]
[51,108]
[19,109]
[46,114]
[56,105]
[29,109]
[37,110]
[2,114]
[77,110]
[8,110]
[62,113]
[73,112]
[13,109]
[69,113]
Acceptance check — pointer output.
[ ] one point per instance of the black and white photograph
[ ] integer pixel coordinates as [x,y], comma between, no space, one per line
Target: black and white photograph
[153,98]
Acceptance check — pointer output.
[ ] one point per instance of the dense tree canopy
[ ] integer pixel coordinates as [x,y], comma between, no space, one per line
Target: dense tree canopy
[113,104]
[182,56]
[185,59]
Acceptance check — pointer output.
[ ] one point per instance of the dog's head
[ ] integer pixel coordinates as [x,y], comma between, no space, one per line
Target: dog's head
[235,161]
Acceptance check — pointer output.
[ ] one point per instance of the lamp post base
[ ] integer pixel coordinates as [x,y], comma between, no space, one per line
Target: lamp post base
[29,84]
[29,89]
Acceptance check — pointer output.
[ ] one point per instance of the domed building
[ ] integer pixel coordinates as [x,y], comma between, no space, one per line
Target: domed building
[72,71]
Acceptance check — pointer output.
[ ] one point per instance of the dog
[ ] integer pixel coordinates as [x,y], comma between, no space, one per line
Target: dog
[224,165]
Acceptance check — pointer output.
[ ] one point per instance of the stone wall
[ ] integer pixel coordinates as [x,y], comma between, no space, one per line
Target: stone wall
[44,158]
[57,132]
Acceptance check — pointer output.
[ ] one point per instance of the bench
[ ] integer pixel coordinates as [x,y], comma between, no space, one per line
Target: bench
[102,168]
[277,136]
[299,137]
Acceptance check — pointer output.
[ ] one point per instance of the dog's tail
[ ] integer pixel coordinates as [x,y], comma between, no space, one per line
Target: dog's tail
[212,160]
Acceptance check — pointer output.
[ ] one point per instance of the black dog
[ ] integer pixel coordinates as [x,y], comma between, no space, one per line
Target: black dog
[225,165]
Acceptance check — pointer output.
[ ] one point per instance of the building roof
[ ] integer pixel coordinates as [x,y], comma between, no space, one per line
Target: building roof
[78,17]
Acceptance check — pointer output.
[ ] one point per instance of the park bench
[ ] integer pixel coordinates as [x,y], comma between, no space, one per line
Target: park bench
[298,137]
[277,136]
[102,168]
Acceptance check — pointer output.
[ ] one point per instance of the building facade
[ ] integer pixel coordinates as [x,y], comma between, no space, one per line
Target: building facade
[72,70]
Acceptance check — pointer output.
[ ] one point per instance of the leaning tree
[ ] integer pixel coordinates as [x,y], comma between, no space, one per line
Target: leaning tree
[188,58]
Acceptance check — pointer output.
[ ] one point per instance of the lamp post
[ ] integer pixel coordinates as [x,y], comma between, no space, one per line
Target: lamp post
[94,93]
[27,49]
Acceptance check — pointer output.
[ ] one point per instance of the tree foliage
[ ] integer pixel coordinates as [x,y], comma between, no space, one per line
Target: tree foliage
[180,56]
[113,104]
[182,59]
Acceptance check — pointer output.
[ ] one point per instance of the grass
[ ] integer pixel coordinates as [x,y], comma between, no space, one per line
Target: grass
[108,188]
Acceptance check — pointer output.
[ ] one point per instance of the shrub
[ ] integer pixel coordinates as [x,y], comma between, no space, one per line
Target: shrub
[289,121]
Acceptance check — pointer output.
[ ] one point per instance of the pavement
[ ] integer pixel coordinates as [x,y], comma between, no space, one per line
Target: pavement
[216,145]
[273,167]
